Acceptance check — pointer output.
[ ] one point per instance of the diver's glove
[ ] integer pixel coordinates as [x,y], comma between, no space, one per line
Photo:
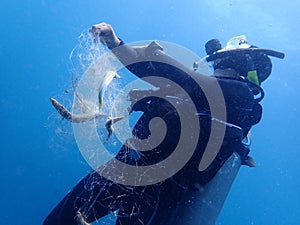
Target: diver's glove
[105,34]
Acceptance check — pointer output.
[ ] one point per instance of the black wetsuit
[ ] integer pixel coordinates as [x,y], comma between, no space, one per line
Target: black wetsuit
[95,196]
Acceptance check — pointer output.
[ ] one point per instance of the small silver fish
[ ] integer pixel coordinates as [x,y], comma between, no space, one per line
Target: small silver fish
[108,126]
[110,75]
[74,118]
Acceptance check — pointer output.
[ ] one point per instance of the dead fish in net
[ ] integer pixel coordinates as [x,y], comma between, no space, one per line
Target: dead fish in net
[81,118]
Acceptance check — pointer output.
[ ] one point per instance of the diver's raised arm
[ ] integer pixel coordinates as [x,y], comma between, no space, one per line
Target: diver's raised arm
[105,34]
[142,61]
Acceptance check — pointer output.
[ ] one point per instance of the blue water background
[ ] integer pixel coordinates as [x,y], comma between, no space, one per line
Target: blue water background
[40,161]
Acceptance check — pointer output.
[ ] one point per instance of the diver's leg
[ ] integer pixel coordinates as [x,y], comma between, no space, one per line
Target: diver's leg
[140,206]
[92,198]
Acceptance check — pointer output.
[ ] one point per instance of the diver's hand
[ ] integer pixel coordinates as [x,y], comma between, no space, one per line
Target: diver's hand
[104,32]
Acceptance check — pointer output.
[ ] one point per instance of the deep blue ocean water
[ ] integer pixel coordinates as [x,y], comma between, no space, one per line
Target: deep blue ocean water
[40,161]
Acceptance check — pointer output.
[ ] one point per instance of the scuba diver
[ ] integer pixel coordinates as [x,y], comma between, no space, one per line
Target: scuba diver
[238,72]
